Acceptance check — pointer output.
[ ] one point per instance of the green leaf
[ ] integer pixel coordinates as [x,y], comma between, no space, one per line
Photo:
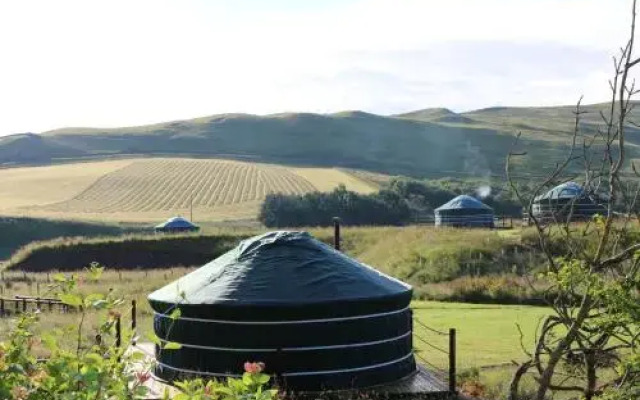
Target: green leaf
[49,341]
[263,378]
[224,390]
[95,271]
[71,299]
[93,358]
[59,277]
[154,339]
[175,314]
[137,356]
[172,346]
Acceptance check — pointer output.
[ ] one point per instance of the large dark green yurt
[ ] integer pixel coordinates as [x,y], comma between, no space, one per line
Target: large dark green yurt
[317,318]
[464,211]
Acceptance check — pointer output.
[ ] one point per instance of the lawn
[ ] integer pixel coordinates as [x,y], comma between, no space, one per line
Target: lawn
[487,334]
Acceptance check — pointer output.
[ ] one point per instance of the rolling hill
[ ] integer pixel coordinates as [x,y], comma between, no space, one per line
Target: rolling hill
[153,189]
[425,143]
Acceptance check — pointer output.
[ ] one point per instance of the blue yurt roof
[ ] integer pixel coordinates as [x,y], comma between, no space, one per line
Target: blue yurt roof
[566,190]
[464,202]
[176,222]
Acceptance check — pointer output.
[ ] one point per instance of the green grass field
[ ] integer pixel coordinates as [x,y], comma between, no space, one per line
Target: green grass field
[487,334]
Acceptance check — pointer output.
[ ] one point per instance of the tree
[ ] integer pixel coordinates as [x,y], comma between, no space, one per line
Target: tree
[594,323]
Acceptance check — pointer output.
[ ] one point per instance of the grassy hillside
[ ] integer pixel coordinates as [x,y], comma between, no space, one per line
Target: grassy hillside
[433,142]
[419,255]
[150,190]
[17,232]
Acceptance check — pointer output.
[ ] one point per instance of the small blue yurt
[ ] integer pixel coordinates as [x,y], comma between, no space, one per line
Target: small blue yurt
[464,211]
[176,224]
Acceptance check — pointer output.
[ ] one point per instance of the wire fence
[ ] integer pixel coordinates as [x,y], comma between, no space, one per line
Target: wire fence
[427,338]
[472,220]
[19,304]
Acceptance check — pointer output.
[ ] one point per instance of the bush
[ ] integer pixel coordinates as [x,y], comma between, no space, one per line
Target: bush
[98,369]
[491,289]
[318,209]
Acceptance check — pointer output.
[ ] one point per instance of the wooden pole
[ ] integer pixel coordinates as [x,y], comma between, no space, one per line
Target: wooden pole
[134,321]
[336,233]
[118,332]
[452,360]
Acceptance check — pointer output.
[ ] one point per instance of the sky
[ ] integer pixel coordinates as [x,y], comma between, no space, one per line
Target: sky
[119,63]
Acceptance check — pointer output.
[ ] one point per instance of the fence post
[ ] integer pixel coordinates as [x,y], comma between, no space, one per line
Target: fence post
[134,321]
[24,305]
[118,332]
[16,303]
[452,360]
[1,307]
[336,233]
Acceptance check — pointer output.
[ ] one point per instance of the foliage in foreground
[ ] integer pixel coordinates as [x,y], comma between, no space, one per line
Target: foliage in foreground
[588,344]
[98,369]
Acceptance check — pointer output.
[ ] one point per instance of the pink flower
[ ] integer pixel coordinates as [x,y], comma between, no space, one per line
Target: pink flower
[253,367]
[143,376]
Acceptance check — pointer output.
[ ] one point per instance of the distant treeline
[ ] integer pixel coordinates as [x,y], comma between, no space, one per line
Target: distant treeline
[317,209]
[401,201]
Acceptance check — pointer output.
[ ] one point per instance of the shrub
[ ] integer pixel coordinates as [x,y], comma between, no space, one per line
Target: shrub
[98,370]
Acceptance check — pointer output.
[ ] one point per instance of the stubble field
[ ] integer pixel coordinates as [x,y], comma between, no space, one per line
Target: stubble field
[145,190]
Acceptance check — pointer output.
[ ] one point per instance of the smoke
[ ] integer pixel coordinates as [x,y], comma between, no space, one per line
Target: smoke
[483,191]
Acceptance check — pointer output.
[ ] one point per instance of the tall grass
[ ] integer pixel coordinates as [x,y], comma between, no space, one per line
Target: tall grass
[420,255]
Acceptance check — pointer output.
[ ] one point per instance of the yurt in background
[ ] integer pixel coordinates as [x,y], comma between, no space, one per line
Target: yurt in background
[317,318]
[177,224]
[566,199]
[464,211]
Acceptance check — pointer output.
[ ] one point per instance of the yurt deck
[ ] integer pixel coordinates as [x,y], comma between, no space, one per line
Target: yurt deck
[421,385]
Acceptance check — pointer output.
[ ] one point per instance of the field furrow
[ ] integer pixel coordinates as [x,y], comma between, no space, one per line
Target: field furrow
[144,189]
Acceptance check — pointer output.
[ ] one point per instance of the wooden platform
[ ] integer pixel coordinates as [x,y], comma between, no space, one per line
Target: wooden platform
[421,385]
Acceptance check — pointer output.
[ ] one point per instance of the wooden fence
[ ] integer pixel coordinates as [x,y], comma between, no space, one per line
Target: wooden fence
[23,304]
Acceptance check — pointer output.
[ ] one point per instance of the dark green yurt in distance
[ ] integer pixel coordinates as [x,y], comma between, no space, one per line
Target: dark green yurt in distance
[317,318]
[568,199]
[464,211]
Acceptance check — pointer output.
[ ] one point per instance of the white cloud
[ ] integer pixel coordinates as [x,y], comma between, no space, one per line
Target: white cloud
[71,62]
